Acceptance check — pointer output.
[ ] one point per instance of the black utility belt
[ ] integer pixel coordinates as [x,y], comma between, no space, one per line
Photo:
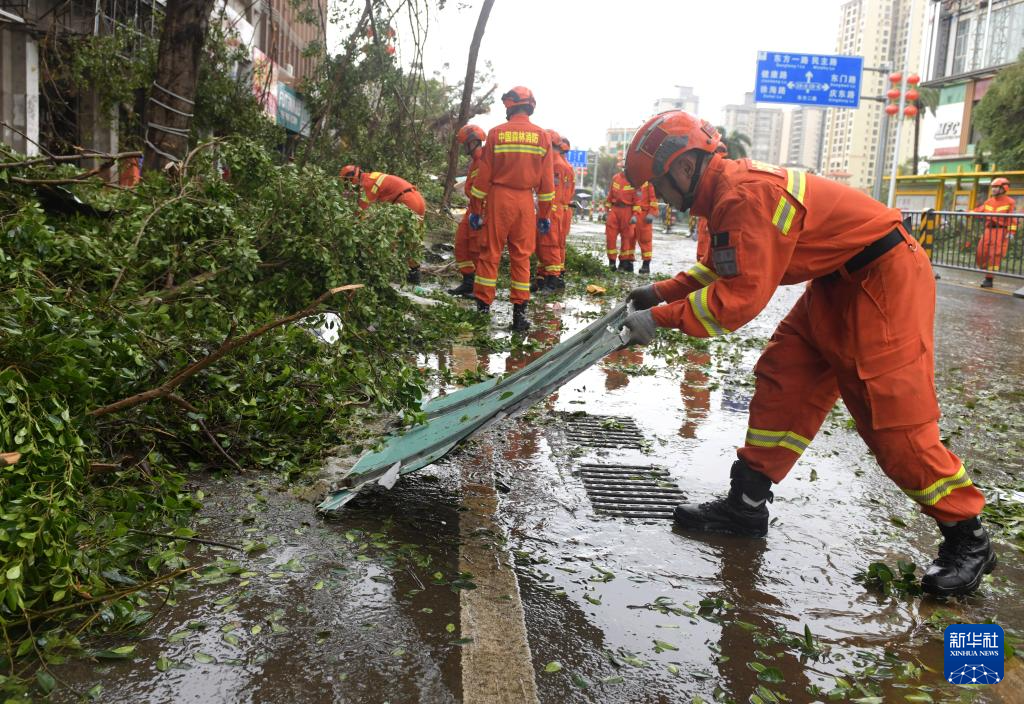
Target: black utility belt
[869,254]
[621,205]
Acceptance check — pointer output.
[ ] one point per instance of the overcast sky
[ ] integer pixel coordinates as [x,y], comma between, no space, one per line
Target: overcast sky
[596,63]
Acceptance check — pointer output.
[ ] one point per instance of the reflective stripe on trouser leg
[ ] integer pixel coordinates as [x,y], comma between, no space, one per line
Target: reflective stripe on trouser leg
[464,255]
[794,391]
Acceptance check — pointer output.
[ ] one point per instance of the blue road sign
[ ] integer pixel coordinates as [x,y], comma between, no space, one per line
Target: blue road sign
[808,79]
[577,158]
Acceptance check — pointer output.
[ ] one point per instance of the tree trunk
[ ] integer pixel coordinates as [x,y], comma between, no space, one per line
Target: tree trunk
[172,96]
[467,98]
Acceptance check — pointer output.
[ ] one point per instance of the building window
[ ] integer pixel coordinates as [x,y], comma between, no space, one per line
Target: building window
[963,36]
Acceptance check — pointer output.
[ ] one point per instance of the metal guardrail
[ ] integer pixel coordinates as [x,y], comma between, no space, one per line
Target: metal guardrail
[983,242]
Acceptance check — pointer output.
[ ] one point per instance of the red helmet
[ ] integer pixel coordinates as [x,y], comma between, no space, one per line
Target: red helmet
[663,138]
[520,95]
[1001,181]
[554,138]
[350,173]
[469,132]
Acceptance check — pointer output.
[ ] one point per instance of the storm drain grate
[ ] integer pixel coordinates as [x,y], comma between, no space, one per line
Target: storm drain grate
[604,431]
[630,491]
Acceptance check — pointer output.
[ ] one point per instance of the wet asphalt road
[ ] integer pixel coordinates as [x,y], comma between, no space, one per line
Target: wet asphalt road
[364,607]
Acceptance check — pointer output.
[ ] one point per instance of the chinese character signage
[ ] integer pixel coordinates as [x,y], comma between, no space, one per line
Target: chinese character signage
[808,79]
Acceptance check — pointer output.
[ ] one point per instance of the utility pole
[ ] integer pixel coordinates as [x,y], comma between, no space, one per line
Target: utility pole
[883,133]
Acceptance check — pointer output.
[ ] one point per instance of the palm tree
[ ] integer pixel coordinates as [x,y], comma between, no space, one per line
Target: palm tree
[738,143]
[928,98]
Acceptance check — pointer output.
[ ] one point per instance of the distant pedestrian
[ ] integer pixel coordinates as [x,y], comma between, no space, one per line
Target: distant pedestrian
[995,241]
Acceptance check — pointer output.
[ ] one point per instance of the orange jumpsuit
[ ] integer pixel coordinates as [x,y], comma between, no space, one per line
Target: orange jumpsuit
[865,336]
[623,204]
[377,186]
[467,242]
[550,246]
[703,240]
[517,161]
[996,240]
[568,196]
[645,230]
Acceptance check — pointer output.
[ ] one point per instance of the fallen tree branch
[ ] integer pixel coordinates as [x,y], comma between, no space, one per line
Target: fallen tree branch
[86,154]
[182,403]
[201,541]
[230,345]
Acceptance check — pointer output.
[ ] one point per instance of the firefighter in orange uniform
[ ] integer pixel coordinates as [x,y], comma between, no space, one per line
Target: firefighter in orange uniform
[517,161]
[645,224]
[568,206]
[998,230]
[861,330]
[623,209]
[467,242]
[375,186]
[550,249]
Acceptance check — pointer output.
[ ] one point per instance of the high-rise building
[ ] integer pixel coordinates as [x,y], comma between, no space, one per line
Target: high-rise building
[617,139]
[762,125]
[877,31]
[685,100]
[803,138]
[966,45]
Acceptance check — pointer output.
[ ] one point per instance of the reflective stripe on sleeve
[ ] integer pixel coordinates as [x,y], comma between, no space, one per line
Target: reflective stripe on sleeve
[546,197]
[477,193]
[699,303]
[778,438]
[702,274]
[796,184]
[784,214]
[932,494]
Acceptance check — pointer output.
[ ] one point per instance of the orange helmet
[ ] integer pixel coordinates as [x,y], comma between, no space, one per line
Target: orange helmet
[350,173]
[520,95]
[1001,181]
[554,138]
[663,138]
[469,132]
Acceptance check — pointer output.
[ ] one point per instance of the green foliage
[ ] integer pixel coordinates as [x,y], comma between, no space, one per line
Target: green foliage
[999,118]
[738,143]
[901,581]
[96,310]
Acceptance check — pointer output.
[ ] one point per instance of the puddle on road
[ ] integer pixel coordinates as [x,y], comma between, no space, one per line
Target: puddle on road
[349,610]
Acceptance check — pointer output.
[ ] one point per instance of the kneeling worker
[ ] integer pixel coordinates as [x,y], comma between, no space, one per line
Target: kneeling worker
[861,330]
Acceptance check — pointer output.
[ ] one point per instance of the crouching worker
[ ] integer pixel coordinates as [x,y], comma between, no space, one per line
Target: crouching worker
[375,186]
[862,330]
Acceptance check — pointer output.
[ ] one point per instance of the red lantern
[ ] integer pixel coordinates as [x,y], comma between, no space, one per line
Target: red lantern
[390,50]
[892,109]
[910,110]
[895,77]
[912,95]
[893,94]
[913,79]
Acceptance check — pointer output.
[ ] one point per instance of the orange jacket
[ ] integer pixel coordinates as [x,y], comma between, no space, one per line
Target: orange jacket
[703,240]
[565,182]
[473,171]
[648,199]
[1003,205]
[377,186]
[620,192]
[517,155]
[769,226]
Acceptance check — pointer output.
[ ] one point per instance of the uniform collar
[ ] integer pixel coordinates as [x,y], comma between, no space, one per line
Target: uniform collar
[702,202]
[520,117]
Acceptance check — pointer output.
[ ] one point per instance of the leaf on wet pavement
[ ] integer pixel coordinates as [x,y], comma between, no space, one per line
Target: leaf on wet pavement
[661,646]
[204,658]
[553,666]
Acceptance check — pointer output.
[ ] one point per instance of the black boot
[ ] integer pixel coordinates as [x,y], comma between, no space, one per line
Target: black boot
[465,289]
[743,511]
[626,265]
[482,307]
[965,556]
[646,268]
[550,285]
[413,277]
[560,281]
[519,321]
[536,284]
[986,282]
[611,264]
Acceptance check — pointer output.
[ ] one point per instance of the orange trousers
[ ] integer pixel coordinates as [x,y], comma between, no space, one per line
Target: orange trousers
[511,221]
[564,234]
[617,224]
[866,337]
[550,247]
[645,238]
[467,246]
[992,247]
